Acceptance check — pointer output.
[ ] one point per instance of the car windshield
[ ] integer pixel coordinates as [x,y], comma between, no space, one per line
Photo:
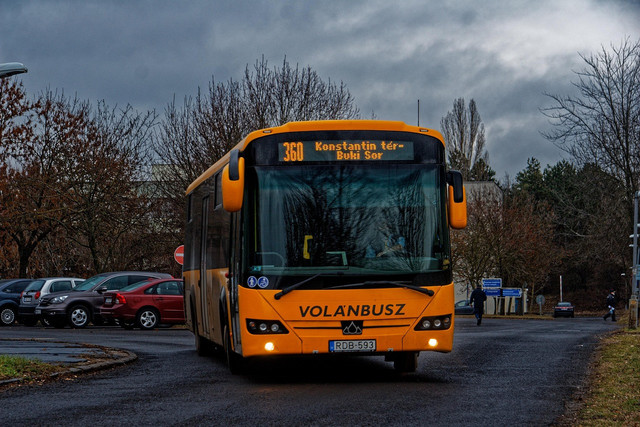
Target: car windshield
[36,285]
[89,283]
[134,286]
[382,219]
[564,304]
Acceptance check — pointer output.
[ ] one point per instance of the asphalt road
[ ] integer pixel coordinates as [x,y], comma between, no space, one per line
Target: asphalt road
[505,372]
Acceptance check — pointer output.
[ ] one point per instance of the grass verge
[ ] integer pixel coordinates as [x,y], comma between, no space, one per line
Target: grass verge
[27,369]
[613,396]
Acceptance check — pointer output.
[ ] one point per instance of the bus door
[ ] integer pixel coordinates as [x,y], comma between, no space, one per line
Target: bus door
[234,276]
[204,312]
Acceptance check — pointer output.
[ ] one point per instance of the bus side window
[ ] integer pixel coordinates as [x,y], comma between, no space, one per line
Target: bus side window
[190,207]
[218,189]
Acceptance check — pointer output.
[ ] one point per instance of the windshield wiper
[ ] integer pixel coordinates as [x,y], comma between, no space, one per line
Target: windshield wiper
[297,285]
[386,282]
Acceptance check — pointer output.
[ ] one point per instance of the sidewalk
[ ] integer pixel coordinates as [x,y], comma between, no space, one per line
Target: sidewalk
[76,356]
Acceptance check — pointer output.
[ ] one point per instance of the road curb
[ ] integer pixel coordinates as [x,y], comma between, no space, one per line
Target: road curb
[109,358]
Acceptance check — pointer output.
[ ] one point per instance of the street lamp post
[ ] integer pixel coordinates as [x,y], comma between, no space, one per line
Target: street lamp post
[12,68]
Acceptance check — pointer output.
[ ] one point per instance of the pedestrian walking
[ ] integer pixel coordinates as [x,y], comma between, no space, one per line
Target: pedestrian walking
[477,299]
[611,305]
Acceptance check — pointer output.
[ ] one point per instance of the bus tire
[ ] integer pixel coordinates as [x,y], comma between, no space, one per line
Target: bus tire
[406,361]
[204,347]
[234,361]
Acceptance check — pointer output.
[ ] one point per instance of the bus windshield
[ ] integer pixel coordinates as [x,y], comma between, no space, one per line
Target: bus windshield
[378,219]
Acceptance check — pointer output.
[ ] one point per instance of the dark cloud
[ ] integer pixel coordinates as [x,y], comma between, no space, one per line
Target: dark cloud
[390,54]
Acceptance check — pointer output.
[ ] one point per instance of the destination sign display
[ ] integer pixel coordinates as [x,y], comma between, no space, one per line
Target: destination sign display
[344,150]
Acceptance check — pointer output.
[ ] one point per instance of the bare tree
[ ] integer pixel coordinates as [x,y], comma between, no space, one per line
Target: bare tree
[192,138]
[601,125]
[109,204]
[471,252]
[463,132]
[34,171]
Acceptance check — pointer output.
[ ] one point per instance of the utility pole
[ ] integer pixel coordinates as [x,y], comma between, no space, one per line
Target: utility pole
[635,267]
[560,288]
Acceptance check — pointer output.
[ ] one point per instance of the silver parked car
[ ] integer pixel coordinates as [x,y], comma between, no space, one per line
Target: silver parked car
[34,292]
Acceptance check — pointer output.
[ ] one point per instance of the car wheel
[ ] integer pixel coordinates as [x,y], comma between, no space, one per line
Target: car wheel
[148,318]
[79,316]
[7,316]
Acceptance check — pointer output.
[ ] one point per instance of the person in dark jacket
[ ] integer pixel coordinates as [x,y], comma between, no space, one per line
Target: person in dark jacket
[611,305]
[477,299]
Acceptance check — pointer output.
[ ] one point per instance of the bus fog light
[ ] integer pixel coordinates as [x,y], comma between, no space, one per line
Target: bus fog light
[433,342]
[269,346]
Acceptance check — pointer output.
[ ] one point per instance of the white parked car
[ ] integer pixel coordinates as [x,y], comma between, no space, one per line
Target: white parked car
[31,296]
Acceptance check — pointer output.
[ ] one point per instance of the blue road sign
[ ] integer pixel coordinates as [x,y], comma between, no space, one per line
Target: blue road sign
[492,292]
[512,292]
[491,283]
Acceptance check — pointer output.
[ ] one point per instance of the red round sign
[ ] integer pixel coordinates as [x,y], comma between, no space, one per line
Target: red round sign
[178,254]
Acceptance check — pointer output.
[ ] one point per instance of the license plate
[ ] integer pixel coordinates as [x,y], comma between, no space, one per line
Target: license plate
[27,299]
[38,311]
[107,300]
[352,345]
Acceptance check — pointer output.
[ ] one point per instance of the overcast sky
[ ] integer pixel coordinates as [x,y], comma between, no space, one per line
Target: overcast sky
[503,54]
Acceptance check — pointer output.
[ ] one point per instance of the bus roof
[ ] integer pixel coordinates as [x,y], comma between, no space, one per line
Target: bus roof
[320,125]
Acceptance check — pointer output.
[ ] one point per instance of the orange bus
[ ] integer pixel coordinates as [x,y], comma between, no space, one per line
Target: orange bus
[324,237]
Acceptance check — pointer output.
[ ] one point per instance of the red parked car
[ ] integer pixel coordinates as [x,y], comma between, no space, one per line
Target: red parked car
[146,304]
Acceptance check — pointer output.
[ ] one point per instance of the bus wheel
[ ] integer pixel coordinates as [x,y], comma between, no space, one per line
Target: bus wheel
[234,361]
[204,347]
[406,361]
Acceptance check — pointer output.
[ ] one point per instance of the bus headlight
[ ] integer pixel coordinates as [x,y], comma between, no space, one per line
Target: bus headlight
[434,323]
[262,327]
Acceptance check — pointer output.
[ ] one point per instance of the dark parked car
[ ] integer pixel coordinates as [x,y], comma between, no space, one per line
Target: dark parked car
[32,294]
[81,305]
[146,304]
[10,292]
[463,307]
[563,309]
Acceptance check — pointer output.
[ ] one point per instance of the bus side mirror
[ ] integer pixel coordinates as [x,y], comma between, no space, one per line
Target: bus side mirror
[233,183]
[457,202]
